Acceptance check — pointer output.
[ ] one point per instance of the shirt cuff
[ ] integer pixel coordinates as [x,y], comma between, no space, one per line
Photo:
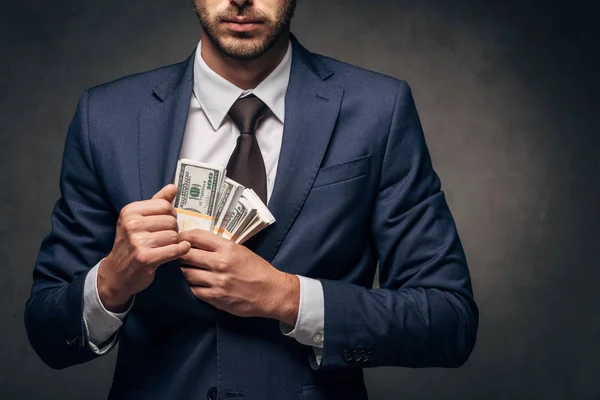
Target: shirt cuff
[101,324]
[311,316]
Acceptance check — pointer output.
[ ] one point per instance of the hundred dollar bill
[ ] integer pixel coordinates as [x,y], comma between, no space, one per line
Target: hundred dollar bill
[198,186]
[228,197]
[262,219]
[242,214]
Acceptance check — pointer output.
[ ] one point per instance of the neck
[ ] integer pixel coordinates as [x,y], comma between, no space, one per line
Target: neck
[244,74]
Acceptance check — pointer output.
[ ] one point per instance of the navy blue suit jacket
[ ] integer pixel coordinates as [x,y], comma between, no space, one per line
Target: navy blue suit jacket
[355,187]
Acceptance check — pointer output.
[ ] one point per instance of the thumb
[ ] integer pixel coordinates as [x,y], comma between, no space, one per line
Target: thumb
[167,193]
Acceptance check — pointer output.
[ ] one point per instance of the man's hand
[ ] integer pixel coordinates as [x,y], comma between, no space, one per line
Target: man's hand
[147,236]
[234,279]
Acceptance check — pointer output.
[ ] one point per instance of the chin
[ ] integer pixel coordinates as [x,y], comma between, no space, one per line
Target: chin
[243,48]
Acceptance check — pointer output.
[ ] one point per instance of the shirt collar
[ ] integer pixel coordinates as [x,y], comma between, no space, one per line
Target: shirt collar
[216,94]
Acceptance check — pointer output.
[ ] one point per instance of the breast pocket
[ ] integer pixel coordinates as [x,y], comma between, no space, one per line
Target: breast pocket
[343,172]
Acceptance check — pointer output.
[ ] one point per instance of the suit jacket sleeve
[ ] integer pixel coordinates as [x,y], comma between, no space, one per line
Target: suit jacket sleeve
[424,314]
[82,233]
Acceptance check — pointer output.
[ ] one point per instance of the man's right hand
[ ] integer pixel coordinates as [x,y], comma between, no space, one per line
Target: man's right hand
[146,237]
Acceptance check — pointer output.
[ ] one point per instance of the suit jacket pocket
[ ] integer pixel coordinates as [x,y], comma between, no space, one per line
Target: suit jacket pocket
[343,172]
[349,390]
[121,393]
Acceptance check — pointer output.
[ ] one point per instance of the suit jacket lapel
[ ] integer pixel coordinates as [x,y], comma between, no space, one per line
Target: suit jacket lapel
[161,129]
[311,109]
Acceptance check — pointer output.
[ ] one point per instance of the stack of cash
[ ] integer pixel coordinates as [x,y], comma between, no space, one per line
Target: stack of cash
[207,199]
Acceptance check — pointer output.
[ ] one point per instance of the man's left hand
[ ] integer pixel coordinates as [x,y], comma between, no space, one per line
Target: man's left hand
[234,279]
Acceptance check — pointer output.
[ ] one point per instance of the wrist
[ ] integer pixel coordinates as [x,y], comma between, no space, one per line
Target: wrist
[287,299]
[111,297]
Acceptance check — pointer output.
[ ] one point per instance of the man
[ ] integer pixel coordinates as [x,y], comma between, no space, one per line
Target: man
[339,155]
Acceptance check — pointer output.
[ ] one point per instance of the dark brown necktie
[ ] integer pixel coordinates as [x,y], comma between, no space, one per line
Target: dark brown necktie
[246,165]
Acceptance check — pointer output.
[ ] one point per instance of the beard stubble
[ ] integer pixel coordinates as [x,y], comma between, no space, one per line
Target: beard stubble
[245,48]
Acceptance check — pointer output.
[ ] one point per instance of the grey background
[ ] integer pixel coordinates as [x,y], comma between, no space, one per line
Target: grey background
[508,96]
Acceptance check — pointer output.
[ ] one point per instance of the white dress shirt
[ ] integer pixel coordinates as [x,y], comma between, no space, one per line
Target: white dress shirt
[210,136]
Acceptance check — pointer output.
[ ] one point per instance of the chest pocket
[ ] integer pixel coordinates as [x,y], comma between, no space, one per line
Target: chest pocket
[343,172]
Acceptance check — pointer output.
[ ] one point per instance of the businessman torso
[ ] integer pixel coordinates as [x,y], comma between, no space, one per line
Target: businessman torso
[334,139]
[354,187]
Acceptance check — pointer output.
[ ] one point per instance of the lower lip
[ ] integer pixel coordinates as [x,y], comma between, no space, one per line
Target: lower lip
[235,26]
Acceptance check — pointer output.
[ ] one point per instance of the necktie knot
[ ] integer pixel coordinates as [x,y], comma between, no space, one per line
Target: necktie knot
[247,112]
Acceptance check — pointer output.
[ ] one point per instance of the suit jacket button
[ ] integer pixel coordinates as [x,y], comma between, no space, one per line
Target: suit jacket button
[364,356]
[73,341]
[347,355]
[356,355]
[212,393]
